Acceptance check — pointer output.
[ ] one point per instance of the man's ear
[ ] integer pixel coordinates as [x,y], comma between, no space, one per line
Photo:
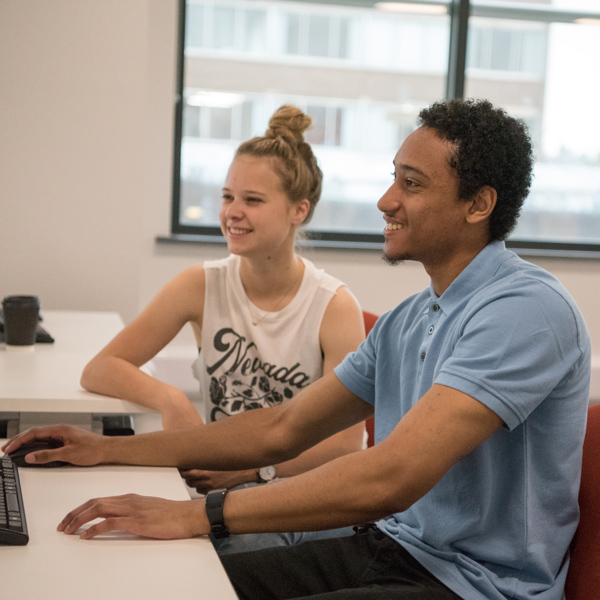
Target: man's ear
[300,211]
[482,204]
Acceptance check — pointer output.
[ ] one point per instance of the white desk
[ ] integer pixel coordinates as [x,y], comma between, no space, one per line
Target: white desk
[55,566]
[43,386]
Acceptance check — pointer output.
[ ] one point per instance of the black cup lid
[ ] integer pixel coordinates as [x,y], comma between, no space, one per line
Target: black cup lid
[21,300]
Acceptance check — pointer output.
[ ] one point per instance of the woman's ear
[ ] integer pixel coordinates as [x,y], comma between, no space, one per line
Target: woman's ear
[482,204]
[300,210]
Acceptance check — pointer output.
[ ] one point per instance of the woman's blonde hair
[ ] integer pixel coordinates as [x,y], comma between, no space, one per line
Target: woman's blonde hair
[297,166]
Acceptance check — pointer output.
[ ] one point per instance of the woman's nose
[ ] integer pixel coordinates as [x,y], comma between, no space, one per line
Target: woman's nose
[233,208]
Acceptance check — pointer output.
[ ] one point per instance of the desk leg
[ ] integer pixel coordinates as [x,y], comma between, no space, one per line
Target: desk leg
[9,424]
[27,419]
[147,422]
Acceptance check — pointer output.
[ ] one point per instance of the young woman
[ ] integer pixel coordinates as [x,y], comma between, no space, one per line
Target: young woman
[267,321]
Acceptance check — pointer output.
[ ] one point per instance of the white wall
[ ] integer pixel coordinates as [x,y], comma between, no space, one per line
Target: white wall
[86,94]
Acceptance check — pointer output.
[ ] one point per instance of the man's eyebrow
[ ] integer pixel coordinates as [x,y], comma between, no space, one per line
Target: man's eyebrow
[403,167]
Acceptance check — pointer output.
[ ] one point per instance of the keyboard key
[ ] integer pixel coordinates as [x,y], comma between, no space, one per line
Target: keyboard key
[12,502]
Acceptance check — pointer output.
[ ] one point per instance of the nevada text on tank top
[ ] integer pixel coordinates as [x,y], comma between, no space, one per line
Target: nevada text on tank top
[242,366]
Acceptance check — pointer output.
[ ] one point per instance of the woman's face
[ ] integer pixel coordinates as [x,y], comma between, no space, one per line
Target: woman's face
[256,215]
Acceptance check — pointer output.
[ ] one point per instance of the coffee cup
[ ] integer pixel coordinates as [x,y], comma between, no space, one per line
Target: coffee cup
[21,315]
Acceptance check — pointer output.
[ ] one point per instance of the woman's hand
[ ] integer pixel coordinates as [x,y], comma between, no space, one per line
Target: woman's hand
[140,515]
[205,481]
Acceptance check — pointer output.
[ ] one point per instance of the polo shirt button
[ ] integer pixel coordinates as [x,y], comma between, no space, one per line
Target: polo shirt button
[422,355]
[436,307]
[430,330]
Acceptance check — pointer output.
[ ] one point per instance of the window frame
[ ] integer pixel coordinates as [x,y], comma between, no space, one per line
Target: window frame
[459,12]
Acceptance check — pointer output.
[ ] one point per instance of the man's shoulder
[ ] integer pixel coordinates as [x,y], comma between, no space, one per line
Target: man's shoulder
[524,278]
[524,293]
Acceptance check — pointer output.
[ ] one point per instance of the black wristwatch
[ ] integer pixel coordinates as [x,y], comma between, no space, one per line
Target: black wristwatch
[214,511]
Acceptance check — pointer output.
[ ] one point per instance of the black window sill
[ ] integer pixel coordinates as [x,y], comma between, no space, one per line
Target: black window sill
[370,243]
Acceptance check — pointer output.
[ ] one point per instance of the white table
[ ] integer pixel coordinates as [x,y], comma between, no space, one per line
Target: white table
[55,566]
[42,386]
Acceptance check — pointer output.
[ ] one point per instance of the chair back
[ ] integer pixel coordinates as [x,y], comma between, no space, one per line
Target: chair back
[583,578]
[370,319]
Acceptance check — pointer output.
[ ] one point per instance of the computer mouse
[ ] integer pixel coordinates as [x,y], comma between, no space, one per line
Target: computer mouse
[18,455]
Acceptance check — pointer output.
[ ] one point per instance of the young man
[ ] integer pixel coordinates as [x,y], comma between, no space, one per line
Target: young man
[479,386]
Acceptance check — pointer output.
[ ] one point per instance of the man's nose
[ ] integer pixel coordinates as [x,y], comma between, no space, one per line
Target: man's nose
[389,201]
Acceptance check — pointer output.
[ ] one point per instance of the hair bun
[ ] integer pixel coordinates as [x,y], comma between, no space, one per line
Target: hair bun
[295,164]
[288,121]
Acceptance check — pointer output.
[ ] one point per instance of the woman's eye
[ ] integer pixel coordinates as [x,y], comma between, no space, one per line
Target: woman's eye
[393,174]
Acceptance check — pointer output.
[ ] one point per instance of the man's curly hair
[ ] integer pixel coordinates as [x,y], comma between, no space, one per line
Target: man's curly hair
[492,149]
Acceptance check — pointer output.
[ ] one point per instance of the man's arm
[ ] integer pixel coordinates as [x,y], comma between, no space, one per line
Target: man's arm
[254,438]
[438,431]
[342,330]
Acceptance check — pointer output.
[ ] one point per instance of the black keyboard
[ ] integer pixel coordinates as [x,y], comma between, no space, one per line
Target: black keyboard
[13,527]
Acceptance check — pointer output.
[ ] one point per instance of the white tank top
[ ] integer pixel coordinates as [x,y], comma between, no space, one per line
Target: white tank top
[242,366]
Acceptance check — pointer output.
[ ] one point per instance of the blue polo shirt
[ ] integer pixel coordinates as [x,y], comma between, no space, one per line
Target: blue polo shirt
[499,523]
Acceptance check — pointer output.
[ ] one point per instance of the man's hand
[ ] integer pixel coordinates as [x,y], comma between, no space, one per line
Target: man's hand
[140,515]
[79,446]
[205,481]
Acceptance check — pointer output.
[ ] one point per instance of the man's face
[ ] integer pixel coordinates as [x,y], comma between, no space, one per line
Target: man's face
[423,214]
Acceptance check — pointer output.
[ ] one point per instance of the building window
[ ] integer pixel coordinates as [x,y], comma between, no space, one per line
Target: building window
[363,74]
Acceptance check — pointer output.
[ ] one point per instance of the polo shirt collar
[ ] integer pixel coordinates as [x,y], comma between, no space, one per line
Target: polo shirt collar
[482,268]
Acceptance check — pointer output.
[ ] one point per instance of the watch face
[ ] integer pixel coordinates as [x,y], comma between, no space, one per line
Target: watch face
[267,473]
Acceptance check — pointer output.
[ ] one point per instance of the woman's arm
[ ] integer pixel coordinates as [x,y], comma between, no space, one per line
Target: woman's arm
[115,370]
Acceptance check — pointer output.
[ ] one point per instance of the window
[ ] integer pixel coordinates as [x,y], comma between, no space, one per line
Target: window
[317,35]
[363,74]
[541,70]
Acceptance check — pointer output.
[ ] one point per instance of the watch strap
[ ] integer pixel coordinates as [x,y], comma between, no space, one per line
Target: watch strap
[215,499]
